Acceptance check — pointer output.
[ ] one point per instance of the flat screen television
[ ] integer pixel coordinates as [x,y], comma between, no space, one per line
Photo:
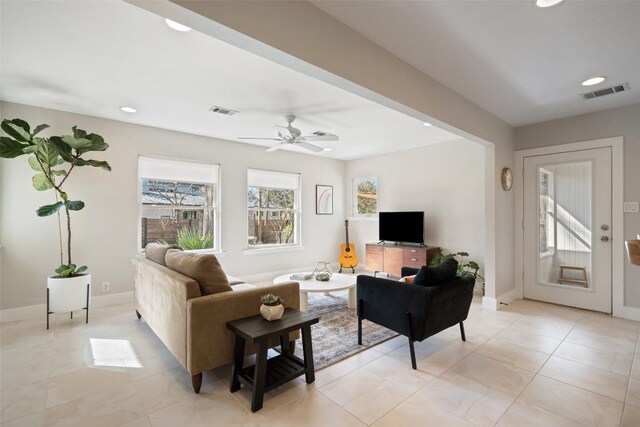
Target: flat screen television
[407,227]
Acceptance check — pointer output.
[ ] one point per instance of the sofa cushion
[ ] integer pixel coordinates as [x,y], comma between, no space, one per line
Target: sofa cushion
[437,274]
[156,252]
[203,268]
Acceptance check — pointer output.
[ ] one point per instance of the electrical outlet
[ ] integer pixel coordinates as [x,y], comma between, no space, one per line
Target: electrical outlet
[106,286]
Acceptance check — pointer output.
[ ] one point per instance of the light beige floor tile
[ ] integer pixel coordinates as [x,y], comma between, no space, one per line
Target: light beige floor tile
[468,399]
[617,345]
[630,416]
[23,400]
[107,408]
[33,420]
[376,402]
[635,367]
[416,411]
[613,386]
[572,402]
[350,386]
[83,382]
[633,393]
[530,340]
[606,329]
[435,354]
[547,328]
[28,368]
[286,393]
[602,359]
[154,363]
[314,410]
[216,408]
[493,374]
[522,414]
[337,370]
[513,354]
[138,422]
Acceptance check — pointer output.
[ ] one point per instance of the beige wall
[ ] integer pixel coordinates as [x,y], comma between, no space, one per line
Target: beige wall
[625,122]
[105,232]
[302,37]
[445,180]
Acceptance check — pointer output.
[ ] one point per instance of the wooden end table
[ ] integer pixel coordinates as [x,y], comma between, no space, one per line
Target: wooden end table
[267,374]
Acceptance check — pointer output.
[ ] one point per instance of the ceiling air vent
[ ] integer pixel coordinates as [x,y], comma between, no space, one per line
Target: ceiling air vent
[222,110]
[606,91]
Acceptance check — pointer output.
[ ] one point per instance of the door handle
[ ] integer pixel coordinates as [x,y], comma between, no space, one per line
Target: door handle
[604,238]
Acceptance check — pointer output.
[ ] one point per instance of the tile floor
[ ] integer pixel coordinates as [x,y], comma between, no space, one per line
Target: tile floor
[528,364]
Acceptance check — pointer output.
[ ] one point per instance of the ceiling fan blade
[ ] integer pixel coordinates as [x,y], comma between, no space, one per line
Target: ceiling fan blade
[274,147]
[268,139]
[320,138]
[309,147]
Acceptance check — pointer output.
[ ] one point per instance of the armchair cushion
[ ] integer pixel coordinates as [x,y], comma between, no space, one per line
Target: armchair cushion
[437,274]
[203,268]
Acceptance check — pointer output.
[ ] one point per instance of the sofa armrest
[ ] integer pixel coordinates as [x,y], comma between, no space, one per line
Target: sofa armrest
[209,342]
[160,296]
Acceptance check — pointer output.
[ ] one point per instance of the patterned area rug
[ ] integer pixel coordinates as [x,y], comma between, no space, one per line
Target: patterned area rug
[336,336]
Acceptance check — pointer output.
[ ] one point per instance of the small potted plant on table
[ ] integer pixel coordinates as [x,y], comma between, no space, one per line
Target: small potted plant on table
[272,307]
[53,159]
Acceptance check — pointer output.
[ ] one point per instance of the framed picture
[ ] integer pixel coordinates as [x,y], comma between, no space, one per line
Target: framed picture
[324,200]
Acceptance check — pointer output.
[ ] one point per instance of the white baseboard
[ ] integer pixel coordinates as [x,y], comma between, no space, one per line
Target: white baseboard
[489,303]
[35,311]
[630,313]
[502,300]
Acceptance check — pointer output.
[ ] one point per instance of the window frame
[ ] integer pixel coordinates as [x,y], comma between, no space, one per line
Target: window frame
[354,197]
[217,211]
[297,209]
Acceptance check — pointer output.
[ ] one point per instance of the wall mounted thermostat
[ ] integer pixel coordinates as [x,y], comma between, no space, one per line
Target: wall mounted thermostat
[631,207]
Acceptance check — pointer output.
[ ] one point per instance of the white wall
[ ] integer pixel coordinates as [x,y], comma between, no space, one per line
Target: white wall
[625,122]
[105,232]
[444,180]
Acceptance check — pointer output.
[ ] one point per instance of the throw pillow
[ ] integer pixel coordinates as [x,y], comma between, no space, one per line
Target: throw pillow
[408,279]
[203,268]
[438,274]
[157,251]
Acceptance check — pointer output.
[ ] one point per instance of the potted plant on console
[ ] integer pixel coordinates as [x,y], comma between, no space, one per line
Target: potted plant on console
[272,307]
[53,159]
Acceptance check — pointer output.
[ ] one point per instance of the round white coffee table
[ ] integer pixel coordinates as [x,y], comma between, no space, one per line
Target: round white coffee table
[338,282]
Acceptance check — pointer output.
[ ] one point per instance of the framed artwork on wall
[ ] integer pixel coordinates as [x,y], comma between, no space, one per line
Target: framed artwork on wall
[324,200]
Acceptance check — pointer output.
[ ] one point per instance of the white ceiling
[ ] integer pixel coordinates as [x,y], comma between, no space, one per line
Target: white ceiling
[522,63]
[93,57]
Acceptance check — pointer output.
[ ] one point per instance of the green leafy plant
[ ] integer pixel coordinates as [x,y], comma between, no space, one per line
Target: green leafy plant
[465,268]
[271,300]
[190,239]
[53,159]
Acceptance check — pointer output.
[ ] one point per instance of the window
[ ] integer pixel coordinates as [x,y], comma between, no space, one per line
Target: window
[273,205]
[179,203]
[547,213]
[365,196]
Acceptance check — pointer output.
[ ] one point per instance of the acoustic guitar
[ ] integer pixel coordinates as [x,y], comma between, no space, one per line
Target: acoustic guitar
[348,257]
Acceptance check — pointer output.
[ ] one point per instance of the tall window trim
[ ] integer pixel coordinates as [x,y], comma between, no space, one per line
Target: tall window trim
[354,196]
[217,229]
[548,209]
[296,209]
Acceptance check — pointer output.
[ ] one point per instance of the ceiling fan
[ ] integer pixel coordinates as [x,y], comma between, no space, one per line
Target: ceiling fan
[295,138]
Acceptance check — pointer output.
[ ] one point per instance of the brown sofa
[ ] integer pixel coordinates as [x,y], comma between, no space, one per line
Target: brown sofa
[192,326]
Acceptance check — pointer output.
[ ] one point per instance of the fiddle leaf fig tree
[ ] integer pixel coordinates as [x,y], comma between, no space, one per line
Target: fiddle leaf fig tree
[53,159]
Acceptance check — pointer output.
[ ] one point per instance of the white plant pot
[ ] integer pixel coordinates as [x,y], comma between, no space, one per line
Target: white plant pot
[68,293]
[272,312]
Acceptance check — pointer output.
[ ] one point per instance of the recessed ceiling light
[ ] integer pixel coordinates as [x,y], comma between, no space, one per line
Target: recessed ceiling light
[327,149]
[547,3]
[176,26]
[128,109]
[427,124]
[593,81]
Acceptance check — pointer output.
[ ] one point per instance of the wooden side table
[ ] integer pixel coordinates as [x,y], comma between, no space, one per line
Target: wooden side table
[267,374]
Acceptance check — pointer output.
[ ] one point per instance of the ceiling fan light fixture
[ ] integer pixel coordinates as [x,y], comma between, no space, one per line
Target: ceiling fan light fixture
[177,26]
[593,80]
[547,3]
